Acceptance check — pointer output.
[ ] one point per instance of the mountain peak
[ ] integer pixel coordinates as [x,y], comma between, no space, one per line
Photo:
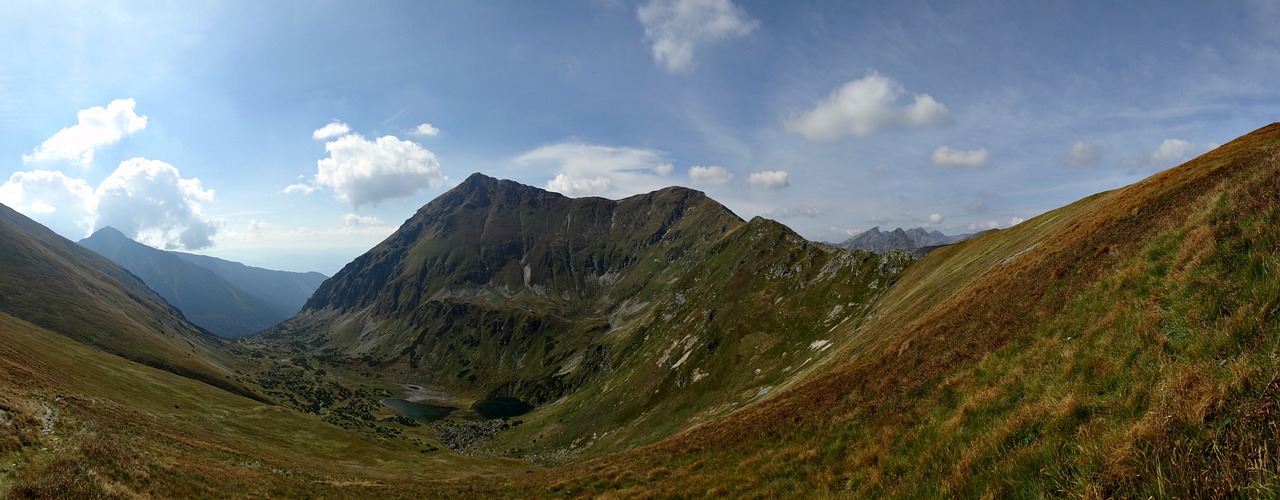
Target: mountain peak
[108,232]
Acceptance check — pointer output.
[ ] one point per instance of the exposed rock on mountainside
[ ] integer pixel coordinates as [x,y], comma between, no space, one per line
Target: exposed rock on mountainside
[501,289]
[197,287]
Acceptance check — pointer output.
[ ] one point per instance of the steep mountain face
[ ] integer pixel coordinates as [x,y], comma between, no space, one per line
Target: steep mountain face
[912,240]
[660,304]
[285,291]
[201,294]
[60,286]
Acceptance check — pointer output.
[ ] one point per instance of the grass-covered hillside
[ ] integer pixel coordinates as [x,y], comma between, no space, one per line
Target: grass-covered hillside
[52,282]
[622,322]
[1125,345]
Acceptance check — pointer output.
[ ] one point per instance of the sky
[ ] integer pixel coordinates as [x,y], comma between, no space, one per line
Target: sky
[297,135]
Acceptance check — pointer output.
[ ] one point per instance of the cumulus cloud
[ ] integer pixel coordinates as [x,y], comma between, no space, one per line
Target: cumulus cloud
[972,158]
[362,220]
[364,172]
[1172,151]
[96,127]
[676,28]
[298,188]
[864,106]
[709,175]
[579,186]
[935,218]
[593,170]
[769,179]
[1082,154]
[425,130]
[61,203]
[335,129]
[147,200]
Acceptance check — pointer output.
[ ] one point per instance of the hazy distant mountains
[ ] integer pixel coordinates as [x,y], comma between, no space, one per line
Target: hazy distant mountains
[911,240]
[227,298]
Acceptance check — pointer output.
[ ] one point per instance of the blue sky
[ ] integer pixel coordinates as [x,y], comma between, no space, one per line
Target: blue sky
[296,135]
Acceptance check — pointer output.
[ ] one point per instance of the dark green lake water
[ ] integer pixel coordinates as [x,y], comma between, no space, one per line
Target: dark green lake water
[417,411]
[503,407]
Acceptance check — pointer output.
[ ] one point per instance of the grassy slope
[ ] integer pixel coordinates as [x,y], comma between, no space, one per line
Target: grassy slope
[59,285]
[717,338]
[79,423]
[1123,345]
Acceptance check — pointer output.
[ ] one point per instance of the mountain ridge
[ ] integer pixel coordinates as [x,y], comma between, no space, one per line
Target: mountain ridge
[202,294]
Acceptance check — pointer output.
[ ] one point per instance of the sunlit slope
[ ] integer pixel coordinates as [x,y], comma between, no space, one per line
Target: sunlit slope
[78,423]
[760,308]
[1120,346]
[54,283]
[623,321]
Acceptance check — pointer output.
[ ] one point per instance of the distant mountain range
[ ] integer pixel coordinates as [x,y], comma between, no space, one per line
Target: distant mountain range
[915,240]
[227,298]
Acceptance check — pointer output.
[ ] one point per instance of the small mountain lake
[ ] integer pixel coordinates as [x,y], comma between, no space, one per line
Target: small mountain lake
[418,411]
[501,407]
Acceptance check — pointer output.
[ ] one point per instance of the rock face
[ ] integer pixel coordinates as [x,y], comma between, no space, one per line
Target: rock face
[201,287]
[497,289]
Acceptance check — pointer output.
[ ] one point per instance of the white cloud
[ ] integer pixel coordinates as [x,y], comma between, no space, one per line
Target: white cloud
[1082,154]
[709,175]
[299,188]
[96,127]
[362,220]
[592,170]
[425,130]
[769,179]
[864,106]
[363,172]
[947,157]
[61,203]
[1172,151]
[335,129]
[676,28]
[935,218]
[150,201]
[147,200]
[1013,221]
[579,186]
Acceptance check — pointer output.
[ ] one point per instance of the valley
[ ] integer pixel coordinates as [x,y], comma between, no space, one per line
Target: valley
[510,341]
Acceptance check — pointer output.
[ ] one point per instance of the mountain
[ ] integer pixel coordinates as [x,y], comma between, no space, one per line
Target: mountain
[285,291]
[226,298]
[912,240]
[664,303]
[64,288]
[1121,346]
